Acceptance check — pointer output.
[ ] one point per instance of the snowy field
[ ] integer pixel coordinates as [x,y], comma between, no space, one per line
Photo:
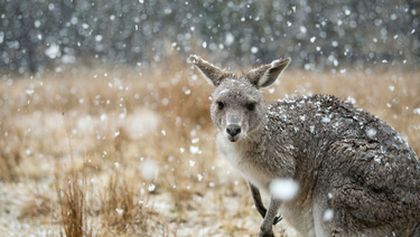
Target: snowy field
[116,152]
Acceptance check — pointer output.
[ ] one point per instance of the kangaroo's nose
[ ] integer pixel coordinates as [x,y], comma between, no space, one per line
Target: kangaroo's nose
[233,129]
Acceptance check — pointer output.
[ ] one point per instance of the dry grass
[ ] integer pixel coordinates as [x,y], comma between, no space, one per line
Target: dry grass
[10,155]
[71,200]
[39,205]
[121,210]
[118,119]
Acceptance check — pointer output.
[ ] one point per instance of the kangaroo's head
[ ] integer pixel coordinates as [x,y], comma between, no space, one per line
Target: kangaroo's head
[237,107]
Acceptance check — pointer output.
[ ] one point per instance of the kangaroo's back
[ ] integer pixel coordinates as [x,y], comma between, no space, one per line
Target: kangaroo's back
[361,168]
[322,120]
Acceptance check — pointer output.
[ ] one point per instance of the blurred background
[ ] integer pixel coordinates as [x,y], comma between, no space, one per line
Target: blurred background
[105,129]
[40,34]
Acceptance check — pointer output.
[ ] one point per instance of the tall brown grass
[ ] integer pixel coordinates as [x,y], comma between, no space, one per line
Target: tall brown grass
[72,201]
[121,209]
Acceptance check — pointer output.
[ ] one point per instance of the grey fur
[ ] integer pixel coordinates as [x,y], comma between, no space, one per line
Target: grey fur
[344,159]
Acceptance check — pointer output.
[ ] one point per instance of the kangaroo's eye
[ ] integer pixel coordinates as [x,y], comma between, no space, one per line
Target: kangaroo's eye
[220,105]
[250,106]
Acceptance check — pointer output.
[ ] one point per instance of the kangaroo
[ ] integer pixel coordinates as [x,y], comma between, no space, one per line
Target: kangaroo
[356,175]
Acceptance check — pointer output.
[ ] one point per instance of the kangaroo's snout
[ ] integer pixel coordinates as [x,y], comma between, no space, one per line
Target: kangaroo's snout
[233,129]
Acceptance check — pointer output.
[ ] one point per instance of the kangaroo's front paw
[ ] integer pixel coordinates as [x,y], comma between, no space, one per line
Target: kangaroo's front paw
[266,233]
[277,219]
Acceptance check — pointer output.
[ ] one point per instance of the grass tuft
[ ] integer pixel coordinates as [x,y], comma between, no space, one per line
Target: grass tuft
[72,208]
[122,211]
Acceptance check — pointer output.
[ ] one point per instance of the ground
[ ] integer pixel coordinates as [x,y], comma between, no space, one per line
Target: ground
[115,151]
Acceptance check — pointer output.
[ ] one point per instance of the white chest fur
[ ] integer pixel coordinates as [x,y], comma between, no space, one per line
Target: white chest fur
[234,153]
[298,215]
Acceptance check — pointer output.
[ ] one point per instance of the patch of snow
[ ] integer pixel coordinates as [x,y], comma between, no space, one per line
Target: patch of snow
[68,59]
[312,128]
[149,169]
[254,50]
[325,119]
[229,38]
[351,100]
[119,211]
[312,39]
[53,51]
[195,150]
[328,215]
[151,188]
[371,133]
[29,91]
[140,123]
[284,189]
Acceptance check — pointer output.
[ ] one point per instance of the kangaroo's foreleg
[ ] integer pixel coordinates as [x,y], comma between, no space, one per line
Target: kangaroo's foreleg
[266,229]
[256,196]
[257,200]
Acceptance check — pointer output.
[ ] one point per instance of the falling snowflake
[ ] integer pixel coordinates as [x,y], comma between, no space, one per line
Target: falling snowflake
[149,169]
[284,189]
[328,215]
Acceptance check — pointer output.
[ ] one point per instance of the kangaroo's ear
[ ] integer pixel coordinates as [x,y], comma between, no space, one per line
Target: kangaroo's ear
[213,73]
[266,74]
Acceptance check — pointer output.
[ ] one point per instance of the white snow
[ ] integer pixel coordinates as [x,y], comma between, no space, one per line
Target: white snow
[103,117]
[68,59]
[141,122]
[284,188]
[229,38]
[312,39]
[254,50]
[347,12]
[303,29]
[119,211]
[151,188]
[98,38]
[312,128]
[149,169]
[325,119]
[53,51]
[195,150]
[37,24]
[371,133]
[328,215]
[29,91]
[351,100]
[74,20]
